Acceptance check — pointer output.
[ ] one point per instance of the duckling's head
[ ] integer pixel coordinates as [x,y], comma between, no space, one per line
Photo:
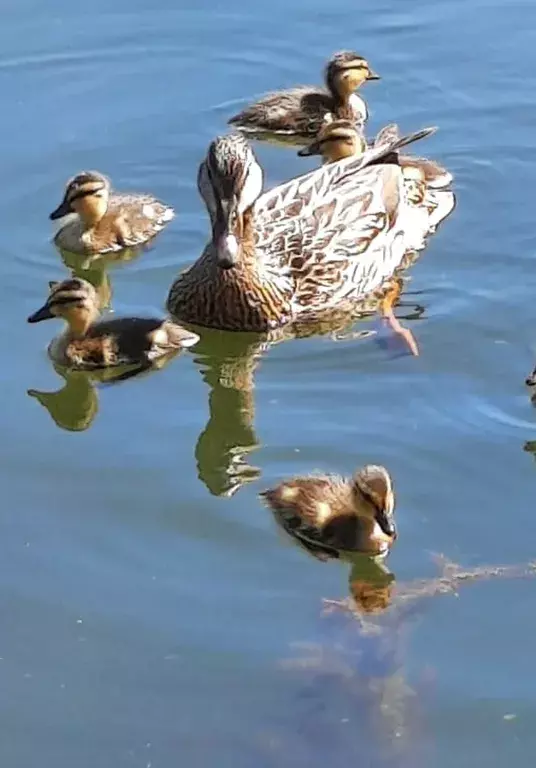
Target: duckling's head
[86,194]
[336,140]
[347,71]
[74,300]
[229,181]
[373,484]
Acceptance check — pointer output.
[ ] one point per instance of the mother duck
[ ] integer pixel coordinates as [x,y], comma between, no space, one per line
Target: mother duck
[320,241]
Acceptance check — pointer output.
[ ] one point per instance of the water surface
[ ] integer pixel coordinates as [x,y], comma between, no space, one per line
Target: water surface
[149,605]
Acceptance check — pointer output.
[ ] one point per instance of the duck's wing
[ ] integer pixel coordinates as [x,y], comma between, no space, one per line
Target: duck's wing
[338,230]
[436,176]
[389,133]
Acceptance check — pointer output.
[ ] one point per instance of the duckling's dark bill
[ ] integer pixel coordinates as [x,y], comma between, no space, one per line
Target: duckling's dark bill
[373,76]
[386,523]
[42,314]
[312,149]
[63,209]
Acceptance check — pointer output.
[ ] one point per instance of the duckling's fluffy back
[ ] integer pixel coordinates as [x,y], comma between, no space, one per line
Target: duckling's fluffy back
[315,499]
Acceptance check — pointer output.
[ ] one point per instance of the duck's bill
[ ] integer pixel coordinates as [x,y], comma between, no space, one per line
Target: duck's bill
[227,251]
[312,149]
[42,314]
[373,75]
[227,247]
[63,209]
[386,523]
[530,381]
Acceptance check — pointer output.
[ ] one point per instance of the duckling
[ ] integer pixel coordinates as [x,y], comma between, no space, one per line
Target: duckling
[105,221]
[328,514]
[338,139]
[89,343]
[300,112]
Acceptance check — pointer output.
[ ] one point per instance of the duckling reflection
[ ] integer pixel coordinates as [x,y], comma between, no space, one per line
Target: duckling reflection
[94,273]
[371,584]
[228,362]
[74,406]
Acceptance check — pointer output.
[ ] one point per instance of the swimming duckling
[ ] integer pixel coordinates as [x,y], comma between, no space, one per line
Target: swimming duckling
[300,112]
[90,343]
[106,221]
[329,514]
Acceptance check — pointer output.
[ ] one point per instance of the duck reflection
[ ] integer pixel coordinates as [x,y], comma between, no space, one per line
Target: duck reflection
[228,362]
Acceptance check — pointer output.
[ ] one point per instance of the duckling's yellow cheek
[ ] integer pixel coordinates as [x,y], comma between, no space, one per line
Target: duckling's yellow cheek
[355,78]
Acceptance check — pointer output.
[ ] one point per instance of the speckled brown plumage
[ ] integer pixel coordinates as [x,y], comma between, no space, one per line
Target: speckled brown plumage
[332,236]
[329,514]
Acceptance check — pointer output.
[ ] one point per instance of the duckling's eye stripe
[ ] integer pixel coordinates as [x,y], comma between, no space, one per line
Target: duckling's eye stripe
[84,193]
[61,300]
[335,137]
[354,65]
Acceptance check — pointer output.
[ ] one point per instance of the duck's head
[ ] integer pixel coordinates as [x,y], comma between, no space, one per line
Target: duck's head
[86,194]
[374,497]
[346,71]
[336,140]
[530,381]
[74,300]
[229,181]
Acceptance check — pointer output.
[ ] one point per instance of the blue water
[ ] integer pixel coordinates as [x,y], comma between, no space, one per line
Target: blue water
[148,601]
